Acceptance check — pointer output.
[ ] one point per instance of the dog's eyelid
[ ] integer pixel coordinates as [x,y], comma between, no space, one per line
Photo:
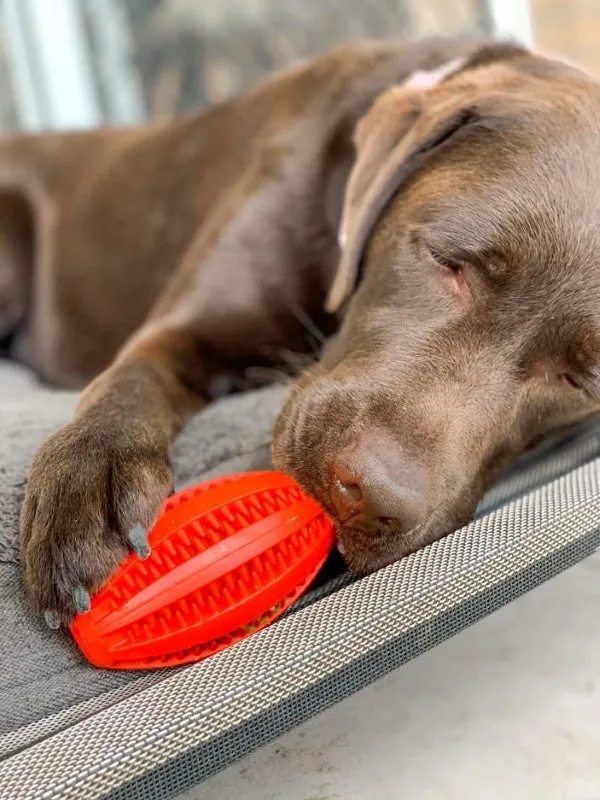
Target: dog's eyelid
[444,261]
[571,381]
[454,256]
[591,382]
[588,384]
[490,265]
[438,254]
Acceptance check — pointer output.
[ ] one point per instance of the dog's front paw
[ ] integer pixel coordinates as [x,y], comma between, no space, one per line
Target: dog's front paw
[92,494]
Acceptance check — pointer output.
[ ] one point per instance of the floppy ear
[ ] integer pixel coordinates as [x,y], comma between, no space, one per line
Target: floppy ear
[376,135]
[398,135]
[388,154]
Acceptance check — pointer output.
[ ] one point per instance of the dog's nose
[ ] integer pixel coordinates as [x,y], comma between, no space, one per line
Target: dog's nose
[376,480]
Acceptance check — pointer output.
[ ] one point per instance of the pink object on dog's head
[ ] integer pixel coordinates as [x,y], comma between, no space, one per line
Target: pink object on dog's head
[422,80]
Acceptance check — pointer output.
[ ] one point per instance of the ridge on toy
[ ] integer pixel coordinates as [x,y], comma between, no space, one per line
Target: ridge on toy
[227,558]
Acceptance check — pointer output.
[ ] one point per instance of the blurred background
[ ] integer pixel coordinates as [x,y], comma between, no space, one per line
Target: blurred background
[81,63]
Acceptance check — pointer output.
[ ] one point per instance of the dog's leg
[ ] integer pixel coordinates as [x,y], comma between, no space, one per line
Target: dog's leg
[97,485]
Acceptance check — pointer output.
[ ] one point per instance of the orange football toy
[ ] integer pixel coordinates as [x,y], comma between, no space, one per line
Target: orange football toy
[228,557]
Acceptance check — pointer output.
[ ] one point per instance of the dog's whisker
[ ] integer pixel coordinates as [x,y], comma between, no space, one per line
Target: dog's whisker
[287,359]
[266,375]
[308,323]
[299,361]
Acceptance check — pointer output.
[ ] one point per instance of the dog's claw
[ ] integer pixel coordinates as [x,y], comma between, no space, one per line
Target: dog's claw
[138,539]
[52,620]
[81,600]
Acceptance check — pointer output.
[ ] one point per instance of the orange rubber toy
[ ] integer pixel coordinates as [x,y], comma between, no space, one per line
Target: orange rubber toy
[228,557]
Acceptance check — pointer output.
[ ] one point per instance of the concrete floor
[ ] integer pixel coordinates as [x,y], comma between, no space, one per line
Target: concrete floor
[508,708]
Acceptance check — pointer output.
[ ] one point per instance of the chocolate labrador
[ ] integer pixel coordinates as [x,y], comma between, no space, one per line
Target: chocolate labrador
[165,263]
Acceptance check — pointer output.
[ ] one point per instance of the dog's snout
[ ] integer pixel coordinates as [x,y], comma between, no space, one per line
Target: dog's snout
[375,480]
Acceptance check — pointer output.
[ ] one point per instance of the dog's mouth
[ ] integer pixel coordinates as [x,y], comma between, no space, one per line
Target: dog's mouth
[366,548]
[368,545]
[364,553]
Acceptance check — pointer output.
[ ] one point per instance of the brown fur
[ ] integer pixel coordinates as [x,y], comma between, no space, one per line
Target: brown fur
[165,262]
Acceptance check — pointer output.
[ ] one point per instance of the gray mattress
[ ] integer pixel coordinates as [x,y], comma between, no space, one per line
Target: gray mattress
[68,730]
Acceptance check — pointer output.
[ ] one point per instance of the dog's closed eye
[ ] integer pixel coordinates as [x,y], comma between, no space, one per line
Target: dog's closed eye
[570,381]
[585,387]
[444,261]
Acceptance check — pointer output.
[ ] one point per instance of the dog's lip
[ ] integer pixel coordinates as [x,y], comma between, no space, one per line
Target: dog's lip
[399,544]
[359,538]
[367,553]
[345,525]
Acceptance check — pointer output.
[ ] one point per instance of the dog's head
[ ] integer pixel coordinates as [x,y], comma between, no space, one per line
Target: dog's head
[470,280]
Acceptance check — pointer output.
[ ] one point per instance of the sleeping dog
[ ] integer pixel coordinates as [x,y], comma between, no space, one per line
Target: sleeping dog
[433,209]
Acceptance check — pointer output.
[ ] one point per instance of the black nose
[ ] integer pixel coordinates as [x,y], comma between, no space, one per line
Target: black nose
[376,480]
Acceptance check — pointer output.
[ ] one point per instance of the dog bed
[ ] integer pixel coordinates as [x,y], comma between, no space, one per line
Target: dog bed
[70,731]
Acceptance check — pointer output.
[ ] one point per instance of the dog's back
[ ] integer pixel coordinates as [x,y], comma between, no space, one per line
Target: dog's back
[102,219]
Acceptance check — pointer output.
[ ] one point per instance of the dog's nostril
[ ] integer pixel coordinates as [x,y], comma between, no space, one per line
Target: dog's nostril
[350,491]
[377,486]
[346,494]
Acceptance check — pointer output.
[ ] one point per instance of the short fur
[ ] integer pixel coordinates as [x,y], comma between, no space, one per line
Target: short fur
[167,263]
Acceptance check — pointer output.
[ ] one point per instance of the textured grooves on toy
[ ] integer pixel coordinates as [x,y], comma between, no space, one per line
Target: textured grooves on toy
[210,600]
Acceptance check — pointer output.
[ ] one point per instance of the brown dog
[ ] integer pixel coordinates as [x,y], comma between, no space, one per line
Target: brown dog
[168,260]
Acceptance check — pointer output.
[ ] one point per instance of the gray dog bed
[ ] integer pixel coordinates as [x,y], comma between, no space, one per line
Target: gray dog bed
[68,730]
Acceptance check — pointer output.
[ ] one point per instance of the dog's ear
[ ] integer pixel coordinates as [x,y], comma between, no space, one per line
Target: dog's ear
[393,141]
[405,127]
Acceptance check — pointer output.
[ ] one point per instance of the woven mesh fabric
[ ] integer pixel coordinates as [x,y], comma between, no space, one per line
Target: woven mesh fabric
[164,732]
